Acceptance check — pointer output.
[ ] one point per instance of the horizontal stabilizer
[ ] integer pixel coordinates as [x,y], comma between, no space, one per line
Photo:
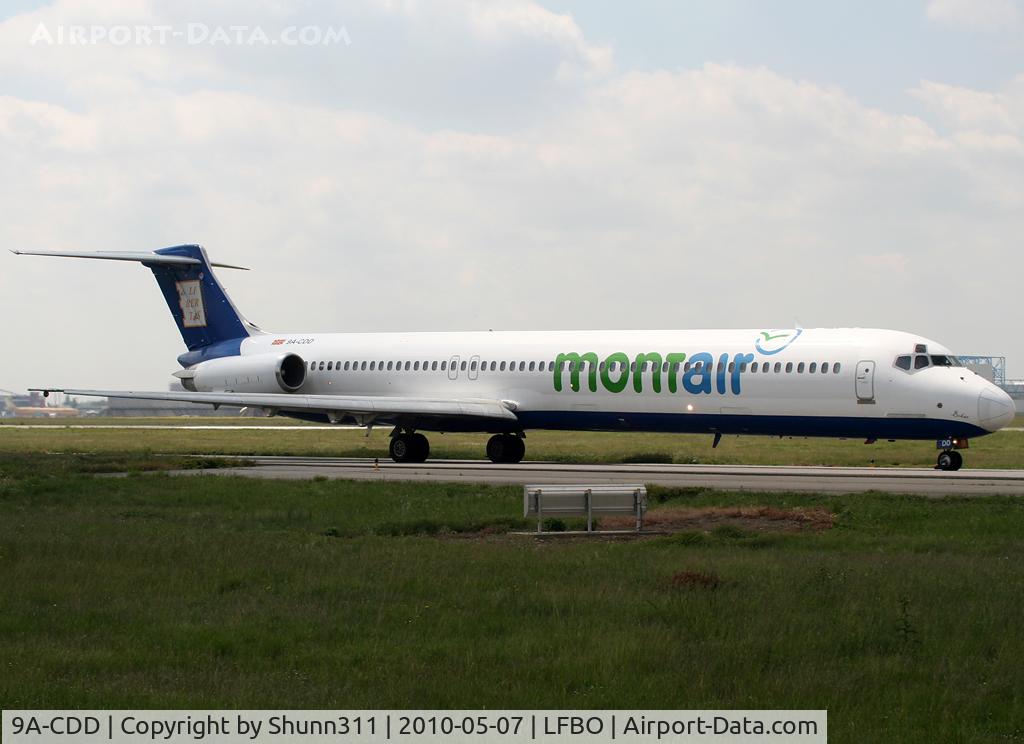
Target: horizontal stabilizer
[144,257]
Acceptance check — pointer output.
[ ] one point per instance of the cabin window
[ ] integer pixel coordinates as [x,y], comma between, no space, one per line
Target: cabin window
[416,366]
[494,366]
[732,366]
[372,366]
[330,366]
[835,368]
[824,368]
[312,365]
[789,367]
[321,366]
[522,366]
[444,366]
[501,367]
[362,366]
[433,366]
[753,367]
[551,366]
[532,366]
[813,368]
[472,366]
[903,362]
[920,361]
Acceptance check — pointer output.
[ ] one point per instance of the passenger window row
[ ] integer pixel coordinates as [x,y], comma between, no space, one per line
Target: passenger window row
[429,366]
[754,367]
[521,366]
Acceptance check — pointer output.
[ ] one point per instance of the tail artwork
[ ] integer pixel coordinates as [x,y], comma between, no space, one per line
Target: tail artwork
[209,323]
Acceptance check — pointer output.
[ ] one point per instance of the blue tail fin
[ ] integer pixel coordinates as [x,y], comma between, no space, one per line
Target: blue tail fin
[209,323]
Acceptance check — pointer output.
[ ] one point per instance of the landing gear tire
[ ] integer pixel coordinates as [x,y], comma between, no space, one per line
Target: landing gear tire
[409,448]
[950,460]
[505,448]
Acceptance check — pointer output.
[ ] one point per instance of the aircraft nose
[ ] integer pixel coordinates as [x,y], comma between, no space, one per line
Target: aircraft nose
[995,408]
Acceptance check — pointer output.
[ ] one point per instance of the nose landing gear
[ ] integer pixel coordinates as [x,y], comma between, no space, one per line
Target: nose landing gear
[949,460]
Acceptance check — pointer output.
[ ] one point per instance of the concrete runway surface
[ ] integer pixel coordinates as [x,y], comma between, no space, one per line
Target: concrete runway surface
[727,477]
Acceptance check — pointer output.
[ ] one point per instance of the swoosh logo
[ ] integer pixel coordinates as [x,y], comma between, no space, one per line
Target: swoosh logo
[770,343]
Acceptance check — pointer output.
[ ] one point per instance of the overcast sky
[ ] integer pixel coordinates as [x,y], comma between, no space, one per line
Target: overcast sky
[512,165]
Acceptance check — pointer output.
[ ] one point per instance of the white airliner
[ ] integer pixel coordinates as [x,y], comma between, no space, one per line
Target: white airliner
[834,382]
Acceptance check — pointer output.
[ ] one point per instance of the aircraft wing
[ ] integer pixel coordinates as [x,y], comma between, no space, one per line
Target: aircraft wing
[360,407]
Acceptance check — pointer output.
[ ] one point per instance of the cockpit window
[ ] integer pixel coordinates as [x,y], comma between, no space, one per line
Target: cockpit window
[903,362]
[945,360]
[920,361]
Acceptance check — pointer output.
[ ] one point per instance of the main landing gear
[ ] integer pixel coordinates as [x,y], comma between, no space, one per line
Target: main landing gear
[949,460]
[409,448]
[414,448]
[505,448]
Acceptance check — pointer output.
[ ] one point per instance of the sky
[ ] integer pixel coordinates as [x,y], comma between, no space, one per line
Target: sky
[400,165]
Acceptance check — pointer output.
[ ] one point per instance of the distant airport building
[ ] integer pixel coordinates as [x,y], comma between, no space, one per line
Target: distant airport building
[32,405]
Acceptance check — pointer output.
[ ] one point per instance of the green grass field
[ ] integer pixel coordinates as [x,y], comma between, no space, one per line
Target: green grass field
[902,619]
[1000,450]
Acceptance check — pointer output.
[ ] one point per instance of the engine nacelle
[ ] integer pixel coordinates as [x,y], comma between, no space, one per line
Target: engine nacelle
[257,373]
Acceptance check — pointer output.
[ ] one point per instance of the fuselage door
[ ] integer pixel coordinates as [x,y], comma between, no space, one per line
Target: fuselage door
[453,368]
[474,367]
[865,381]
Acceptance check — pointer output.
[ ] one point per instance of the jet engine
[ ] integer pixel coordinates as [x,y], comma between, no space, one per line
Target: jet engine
[257,373]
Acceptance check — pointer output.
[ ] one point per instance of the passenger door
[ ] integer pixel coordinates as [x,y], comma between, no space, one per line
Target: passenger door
[865,381]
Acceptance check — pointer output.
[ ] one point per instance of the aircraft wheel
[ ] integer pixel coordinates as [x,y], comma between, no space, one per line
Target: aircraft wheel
[409,448]
[421,447]
[946,461]
[958,460]
[505,448]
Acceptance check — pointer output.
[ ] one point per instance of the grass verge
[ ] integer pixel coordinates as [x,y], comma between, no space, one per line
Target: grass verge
[1000,450]
[898,615]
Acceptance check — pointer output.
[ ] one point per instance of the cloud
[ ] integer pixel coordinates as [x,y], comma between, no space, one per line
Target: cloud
[718,196]
[980,14]
[449,63]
